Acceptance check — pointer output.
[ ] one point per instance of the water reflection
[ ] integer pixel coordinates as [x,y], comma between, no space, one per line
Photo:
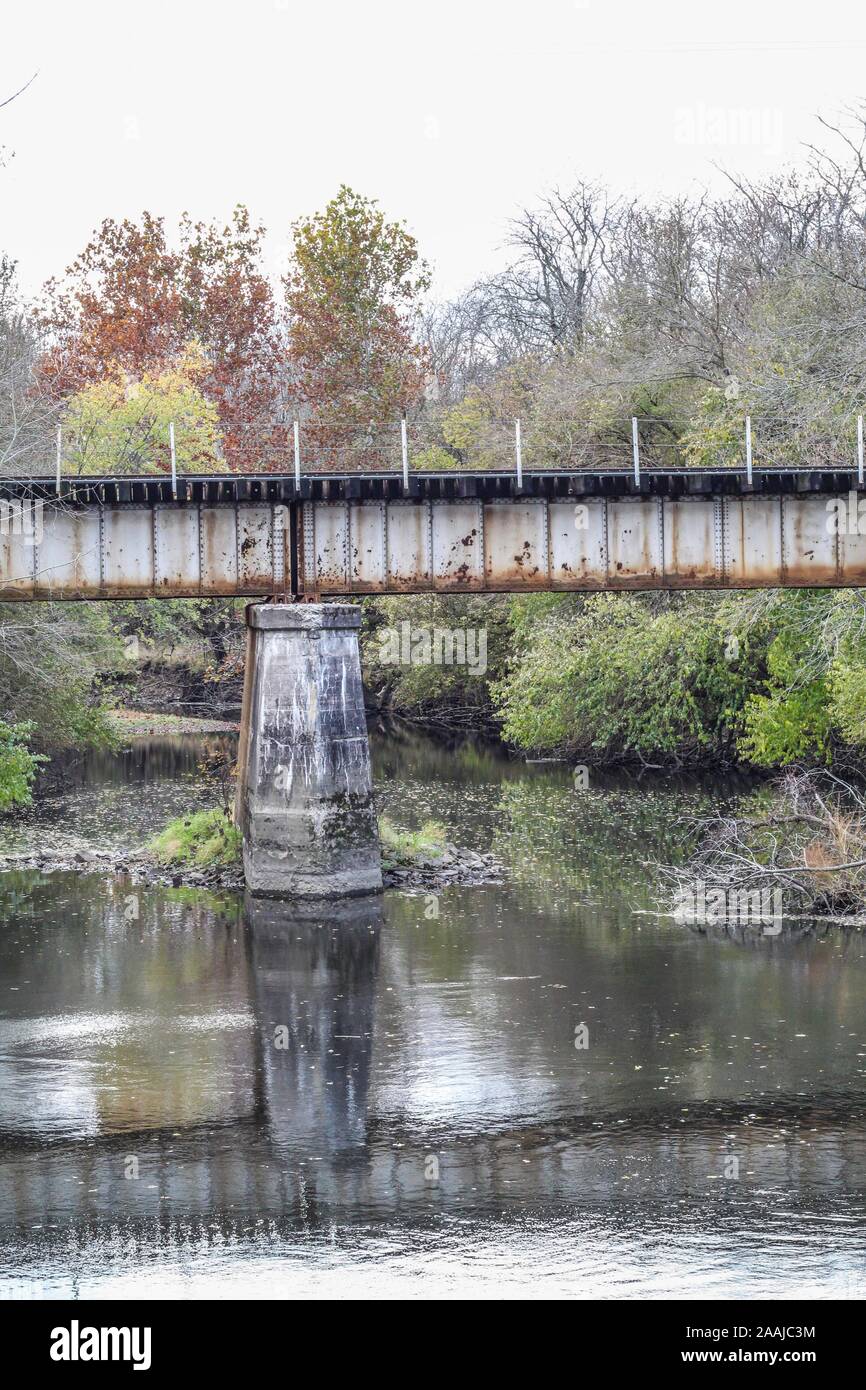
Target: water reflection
[314,970]
[124,1007]
[211,1091]
[116,800]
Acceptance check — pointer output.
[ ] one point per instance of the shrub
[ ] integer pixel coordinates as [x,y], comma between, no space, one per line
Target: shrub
[202,839]
[402,848]
[624,677]
[18,765]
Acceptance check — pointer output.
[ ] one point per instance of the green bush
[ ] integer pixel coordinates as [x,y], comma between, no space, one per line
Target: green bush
[435,459]
[623,676]
[18,765]
[815,678]
[52,659]
[792,718]
[411,848]
[421,689]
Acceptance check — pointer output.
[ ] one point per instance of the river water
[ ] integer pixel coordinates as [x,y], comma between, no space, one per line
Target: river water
[206,1097]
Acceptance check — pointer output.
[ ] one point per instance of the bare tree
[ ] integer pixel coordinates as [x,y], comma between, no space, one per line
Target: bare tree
[28,417]
[467,342]
[564,254]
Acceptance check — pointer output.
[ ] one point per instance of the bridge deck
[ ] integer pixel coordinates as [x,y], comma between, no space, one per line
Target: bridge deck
[224,489]
[447,532]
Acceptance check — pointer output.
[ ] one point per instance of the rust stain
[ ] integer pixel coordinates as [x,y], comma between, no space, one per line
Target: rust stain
[688,546]
[218,559]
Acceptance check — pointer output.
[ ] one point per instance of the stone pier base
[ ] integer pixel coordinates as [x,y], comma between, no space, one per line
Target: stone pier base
[304,786]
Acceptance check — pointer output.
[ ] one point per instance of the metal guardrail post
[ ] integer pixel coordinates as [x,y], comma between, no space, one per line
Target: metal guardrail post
[518,453]
[173,461]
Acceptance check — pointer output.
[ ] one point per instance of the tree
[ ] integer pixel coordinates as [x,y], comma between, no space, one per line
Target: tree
[51,658]
[623,676]
[28,416]
[352,290]
[563,251]
[130,302]
[121,425]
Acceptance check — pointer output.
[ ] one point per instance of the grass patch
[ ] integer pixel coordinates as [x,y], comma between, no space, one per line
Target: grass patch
[411,848]
[205,838]
[211,837]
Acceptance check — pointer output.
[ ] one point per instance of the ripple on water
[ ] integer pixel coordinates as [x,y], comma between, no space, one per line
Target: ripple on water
[396,1100]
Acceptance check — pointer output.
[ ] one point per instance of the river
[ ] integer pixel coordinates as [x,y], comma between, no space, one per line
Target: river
[206,1097]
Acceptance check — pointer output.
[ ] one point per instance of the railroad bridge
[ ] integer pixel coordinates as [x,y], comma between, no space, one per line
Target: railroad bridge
[338,536]
[304,784]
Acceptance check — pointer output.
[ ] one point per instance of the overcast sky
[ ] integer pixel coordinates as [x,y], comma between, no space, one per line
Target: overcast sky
[453,114]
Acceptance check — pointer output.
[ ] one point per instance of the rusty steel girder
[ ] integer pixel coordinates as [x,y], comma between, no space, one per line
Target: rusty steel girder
[470,533]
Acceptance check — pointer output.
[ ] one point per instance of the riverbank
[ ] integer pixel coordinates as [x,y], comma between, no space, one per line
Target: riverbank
[796,848]
[462,867]
[667,682]
[774,837]
[129,723]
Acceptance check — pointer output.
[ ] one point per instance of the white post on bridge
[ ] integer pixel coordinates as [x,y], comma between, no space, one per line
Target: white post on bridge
[518,451]
[173,461]
[404,442]
[635,449]
[860,449]
[749,450]
[59,455]
[297,456]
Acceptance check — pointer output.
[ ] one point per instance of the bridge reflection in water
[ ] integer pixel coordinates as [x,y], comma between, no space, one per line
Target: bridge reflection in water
[313,976]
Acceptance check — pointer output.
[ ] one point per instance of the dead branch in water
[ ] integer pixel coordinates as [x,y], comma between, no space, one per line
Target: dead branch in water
[810,842]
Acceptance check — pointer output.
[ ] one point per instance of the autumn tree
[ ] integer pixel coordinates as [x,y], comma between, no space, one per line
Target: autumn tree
[353,292]
[121,424]
[133,304]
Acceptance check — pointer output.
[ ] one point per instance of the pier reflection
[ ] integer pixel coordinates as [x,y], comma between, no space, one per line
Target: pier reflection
[313,970]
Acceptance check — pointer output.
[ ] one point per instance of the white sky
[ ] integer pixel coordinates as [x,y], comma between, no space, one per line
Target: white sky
[453,113]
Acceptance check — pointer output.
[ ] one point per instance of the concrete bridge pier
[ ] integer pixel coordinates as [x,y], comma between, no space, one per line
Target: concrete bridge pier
[305,791]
